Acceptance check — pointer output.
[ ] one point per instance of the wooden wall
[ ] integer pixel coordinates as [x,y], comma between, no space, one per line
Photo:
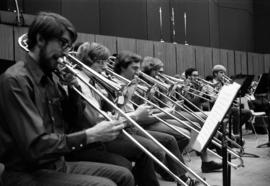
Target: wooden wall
[176,57]
[211,23]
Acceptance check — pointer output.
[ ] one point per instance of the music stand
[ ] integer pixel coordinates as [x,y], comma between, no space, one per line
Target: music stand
[263,85]
[213,121]
[245,83]
[262,89]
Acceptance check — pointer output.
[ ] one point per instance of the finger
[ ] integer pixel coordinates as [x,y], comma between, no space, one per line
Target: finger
[118,127]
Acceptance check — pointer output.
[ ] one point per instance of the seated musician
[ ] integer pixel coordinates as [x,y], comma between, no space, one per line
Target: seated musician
[117,151]
[218,74]
[36,111]
[91,55]
[152,66]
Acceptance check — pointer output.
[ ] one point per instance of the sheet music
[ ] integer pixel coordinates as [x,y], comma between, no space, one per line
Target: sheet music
[220,108]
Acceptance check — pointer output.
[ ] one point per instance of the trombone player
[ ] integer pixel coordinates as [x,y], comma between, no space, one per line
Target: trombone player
[90,54]
[152,66]
[220,79]
[35,112]
[95,55]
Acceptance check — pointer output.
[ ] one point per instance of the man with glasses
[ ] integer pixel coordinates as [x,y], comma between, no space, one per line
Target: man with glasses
[37,112]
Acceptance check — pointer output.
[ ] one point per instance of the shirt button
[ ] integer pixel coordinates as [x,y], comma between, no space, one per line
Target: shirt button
[81,145]
[73,148]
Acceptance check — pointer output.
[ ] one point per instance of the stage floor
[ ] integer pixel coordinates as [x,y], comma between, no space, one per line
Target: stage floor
[256,170]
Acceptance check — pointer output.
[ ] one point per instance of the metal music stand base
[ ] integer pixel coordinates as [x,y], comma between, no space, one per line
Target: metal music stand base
[249,155]
[264,145]
[226,170]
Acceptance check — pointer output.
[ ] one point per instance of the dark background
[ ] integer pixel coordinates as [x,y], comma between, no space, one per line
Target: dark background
[231,24]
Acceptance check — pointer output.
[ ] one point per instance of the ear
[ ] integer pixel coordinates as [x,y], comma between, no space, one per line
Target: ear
[40,41]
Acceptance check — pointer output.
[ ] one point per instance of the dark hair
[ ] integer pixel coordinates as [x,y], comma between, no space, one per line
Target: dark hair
[124,59]
[150,63]
[209,78]
[189,71]
[49,25]
[89,53]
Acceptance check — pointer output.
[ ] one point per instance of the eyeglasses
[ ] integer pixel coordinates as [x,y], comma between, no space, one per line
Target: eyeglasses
[64,43]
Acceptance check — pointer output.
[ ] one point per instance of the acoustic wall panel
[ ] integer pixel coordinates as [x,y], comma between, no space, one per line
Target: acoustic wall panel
[144,48]
[83,37]
[7,44]
[267,63]
[185,57]
[108,41]
[19,52]
[167,53]
[126,44]
[204,61]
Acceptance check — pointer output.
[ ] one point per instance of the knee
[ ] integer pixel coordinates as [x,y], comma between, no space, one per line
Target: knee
[159,153]
[182,144]
[171,142]
[126,177]
[104,182]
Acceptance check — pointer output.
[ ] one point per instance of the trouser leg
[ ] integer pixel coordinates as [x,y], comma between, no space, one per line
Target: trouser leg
[53,178]
[144,168]
[170,143]
[99,154]
[182,141]
[120,175]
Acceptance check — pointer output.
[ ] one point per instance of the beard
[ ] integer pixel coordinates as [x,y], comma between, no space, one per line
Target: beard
[46,63]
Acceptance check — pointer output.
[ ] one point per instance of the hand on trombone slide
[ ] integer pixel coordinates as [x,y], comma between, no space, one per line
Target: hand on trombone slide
[104,131]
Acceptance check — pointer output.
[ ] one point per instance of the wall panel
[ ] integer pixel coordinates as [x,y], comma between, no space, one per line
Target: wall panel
[204,61]
[231,63]
[216,56]
[261,63]
[108,41]
[267,63]
[166,52]
[145,48]
[250,59]
[185,57]
[82,37]
[19,52]
[238,67]
[7,44]
[223,57]
[241,59]
[126,44]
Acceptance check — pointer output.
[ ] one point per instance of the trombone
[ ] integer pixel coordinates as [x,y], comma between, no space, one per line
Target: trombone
[193,114]
[166,88]
[174,117]
[184,87]
[67,65]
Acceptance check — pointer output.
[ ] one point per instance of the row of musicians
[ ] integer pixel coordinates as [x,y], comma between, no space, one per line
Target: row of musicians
[50,136]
